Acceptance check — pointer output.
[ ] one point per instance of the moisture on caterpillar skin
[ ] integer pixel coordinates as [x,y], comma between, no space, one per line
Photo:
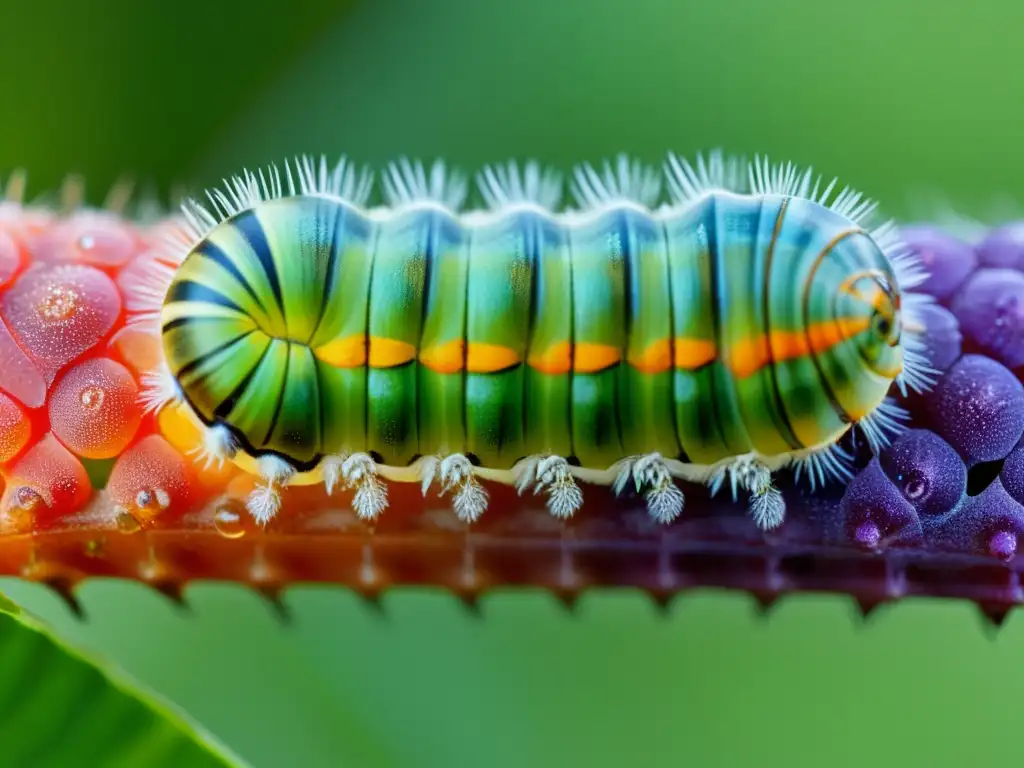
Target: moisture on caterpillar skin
[741,327]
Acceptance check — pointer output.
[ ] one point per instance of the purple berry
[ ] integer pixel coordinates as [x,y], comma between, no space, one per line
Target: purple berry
[1004,247]
[942,336]
[926,470]
[948,260]
[990,308]
[874,514]
[1012,475]
[991,523]
[978,408]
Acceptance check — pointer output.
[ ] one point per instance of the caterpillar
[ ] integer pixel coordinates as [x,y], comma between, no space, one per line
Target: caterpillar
[739,326]
[93,486]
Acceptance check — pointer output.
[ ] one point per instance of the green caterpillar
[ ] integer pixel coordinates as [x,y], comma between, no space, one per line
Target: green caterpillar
[743,326]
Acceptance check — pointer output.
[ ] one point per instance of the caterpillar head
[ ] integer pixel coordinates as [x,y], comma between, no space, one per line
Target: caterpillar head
[865,344]
[871,320]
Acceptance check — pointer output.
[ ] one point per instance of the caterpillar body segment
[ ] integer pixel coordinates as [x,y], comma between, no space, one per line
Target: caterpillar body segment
[742,327]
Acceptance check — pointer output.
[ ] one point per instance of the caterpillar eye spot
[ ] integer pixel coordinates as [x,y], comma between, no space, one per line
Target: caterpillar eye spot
[883,325]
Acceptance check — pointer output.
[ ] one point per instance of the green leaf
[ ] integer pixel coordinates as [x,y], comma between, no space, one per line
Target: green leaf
[60,707]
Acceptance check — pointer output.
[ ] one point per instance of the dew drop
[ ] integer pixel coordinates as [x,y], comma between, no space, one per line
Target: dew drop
[127,522]
[228,523]
[367,571]
[49,471]
[15,518]
[915,488]
[151,477]
[57,304]
[91,398]
[27,498]
[98,238]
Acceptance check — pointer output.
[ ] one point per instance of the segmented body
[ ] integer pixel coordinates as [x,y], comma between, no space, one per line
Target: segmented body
[717,338]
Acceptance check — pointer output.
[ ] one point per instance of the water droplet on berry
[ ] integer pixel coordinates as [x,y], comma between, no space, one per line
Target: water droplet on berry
[915,488]
[150,478]
[27,498]
[58,303]
[91,398]
[229,523]
[127,522]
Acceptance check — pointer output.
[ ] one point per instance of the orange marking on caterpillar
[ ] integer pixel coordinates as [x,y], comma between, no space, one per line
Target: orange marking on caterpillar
[390,353]
[593,358]
[655,358]
[691,354]
[347,352]
[477,356]
[824,336]
[490,358]
[555,360]
[563,357]
[444,358]
[748,356]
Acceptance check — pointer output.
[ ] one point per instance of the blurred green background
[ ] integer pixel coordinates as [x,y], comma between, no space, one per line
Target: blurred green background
[908,101]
